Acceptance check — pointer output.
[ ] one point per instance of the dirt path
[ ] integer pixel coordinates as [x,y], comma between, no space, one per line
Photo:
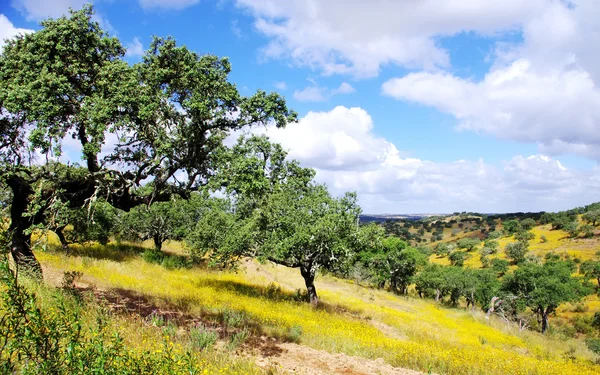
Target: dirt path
[302,360]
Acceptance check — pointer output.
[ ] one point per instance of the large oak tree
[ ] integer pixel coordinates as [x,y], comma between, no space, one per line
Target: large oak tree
[165,117]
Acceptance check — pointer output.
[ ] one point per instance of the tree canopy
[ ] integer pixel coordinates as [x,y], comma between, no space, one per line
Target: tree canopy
[161,120]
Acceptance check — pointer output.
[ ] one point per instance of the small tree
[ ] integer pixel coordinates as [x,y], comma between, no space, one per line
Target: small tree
[591,269]
[516,251]
[511,226]
[543,288]
[160,222]
[572,228]
[457,258]
[591,217]
[500,266]
[524,236]
[528,224]
[443,249]
[468,244]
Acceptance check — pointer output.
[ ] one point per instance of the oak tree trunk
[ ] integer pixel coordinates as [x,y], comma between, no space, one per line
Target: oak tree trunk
[20,247]
[309,279]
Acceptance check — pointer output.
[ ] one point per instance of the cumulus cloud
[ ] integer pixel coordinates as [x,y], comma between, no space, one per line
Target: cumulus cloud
[348,156]
[544,90]
[316,93]
[8,30]
[359,37]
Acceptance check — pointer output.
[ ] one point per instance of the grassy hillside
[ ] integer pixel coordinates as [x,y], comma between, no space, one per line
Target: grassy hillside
[358,321]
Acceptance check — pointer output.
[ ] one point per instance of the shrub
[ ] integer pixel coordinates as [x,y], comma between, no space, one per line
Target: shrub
[202,338]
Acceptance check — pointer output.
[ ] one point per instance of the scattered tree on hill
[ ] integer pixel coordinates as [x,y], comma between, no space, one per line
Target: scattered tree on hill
[524,236]
[500,266]
[494,234]
[543,288]
[587,230]
[591,269]
[511,226]
[457,258]
[528,223]
[591,217]
[443,249]
[468,244]
[161,221]
[490,247]
[572,228]
[516,251]
[171,113]
[278,214]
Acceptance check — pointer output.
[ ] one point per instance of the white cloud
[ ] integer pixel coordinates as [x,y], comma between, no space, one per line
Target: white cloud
[281,85]
[235,29]
[359,37]
[544,90]
[167,4]
[348,156]
[316,93]
[135,48]
[8,30]
[41,9]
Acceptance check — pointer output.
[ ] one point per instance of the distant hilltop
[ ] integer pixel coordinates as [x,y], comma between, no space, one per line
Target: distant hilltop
[367,218]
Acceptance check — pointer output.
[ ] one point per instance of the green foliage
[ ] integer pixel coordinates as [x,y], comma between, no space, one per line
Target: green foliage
[166,260]
[443,248]
[572,228]
[591,217]
[468,244]
[500,266]
[457,258]
[494,235]
[591,269]
[593,345]
[544,287]
[511,226]
[37,340]
[516,251]
[528,224]
[587,230]
[524,236]
[596,320]
[162,221]
[203,338]
[171,112]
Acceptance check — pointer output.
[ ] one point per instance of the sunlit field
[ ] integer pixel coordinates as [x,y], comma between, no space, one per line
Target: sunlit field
[352,319]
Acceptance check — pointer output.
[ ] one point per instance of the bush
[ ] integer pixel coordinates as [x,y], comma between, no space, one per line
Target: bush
[202,338]
[500,266]
[166,260]
[593,345]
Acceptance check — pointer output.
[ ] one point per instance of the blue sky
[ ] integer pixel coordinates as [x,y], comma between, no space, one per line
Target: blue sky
[489,106]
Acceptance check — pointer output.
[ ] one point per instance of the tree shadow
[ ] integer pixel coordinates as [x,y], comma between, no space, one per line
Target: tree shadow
[274,293]
[112,251]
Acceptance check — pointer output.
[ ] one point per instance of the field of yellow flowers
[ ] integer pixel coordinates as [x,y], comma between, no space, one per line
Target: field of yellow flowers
[405,332]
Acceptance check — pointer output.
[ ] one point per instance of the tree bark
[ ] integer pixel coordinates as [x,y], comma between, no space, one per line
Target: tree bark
[309,279]
[20,247]
[544,322]
[61,236]
[158,243]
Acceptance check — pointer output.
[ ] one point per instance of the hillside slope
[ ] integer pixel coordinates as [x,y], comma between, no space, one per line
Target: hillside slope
[353,320]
